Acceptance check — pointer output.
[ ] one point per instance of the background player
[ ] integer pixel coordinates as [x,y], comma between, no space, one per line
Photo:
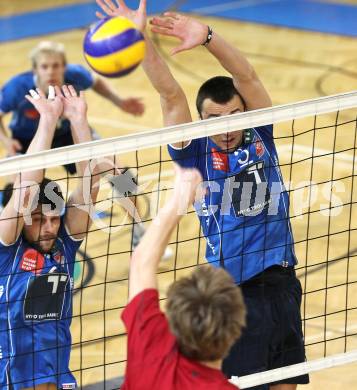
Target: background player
[249,232]
[205,311]
[37,257]
[49,67]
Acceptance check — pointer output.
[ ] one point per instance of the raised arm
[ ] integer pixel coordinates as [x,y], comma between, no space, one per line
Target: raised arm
[147,255]
[78,207]
[193,33]
[174,104]
[131,105]
[12,216]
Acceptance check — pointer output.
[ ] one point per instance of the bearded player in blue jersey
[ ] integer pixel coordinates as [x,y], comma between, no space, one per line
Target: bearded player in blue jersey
[38,244]
[244,215]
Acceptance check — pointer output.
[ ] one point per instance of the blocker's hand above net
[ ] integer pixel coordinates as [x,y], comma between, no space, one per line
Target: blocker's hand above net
[49,107]
[74,106]
[189,31]
[137,16]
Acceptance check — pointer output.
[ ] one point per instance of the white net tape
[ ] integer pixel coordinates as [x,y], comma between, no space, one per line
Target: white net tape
[169,135]
[295,370]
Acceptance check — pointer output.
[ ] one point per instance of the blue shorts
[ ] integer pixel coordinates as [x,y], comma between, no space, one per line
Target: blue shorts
[41,365]
[273,337]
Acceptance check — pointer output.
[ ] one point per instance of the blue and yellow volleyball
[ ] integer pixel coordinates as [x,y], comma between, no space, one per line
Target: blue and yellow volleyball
[114,47]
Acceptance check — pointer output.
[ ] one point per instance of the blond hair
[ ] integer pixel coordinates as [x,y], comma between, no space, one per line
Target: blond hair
[206,313]
[47,47]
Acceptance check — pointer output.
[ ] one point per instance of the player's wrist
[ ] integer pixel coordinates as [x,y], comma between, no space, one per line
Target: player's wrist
[79,123]
[208,37]
[49,118]
[82,130]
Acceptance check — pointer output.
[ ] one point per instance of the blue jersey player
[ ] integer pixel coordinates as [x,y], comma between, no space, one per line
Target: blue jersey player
[37,257]
[49,67]
[244,215]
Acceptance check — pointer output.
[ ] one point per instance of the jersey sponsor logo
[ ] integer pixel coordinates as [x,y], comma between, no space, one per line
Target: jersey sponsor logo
[1,291]
[32,261]
[31,113]
[243,156]
[45,296]
[220,160]
[246,191]
[58,257]
[259,148]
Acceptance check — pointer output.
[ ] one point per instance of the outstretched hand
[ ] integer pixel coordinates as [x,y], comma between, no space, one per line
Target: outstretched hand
[74,106]
[189,31]
[51,106]
[133,106]
[120,9]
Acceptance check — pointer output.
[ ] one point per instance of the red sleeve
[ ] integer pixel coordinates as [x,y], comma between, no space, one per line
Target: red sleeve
[147,327]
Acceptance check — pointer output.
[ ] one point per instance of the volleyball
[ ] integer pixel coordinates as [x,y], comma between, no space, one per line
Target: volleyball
[114,47]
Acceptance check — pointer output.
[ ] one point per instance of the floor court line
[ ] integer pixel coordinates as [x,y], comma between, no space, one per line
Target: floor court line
[232,5]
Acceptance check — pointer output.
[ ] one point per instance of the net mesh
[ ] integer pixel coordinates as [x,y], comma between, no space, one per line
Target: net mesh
[316,144]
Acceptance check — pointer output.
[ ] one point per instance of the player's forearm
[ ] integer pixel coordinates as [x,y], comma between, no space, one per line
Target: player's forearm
[158,72]
[102,88]
[81,133]
[3,133]
[159,233]
[41,141]
[243,73]
[174,104]
[147,255]
[231,58]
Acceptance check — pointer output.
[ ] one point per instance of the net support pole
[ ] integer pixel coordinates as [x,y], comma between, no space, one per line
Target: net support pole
[279,374]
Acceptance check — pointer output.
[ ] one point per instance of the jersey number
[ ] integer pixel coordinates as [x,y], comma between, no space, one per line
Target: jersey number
[250,193]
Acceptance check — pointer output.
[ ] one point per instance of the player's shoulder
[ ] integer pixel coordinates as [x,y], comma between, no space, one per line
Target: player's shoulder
[8,253]
[21,81]
[73,69]
[201,144]
[77,74]
[265,133]
[266,129]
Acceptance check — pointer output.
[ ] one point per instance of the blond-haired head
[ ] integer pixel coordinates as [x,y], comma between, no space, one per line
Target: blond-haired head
[47,48]
[206,313]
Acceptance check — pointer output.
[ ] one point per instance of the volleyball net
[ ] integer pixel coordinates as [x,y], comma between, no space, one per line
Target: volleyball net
[316,144]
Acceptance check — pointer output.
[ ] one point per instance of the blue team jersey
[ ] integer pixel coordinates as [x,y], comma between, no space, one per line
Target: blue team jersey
[36,313]
[25,118]
[245,213]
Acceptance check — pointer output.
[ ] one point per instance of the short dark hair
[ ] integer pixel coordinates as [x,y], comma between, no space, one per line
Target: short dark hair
[42,198]
[206,313]
[219,89]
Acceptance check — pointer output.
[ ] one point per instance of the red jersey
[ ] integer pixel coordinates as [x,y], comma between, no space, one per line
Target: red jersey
[154,361]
